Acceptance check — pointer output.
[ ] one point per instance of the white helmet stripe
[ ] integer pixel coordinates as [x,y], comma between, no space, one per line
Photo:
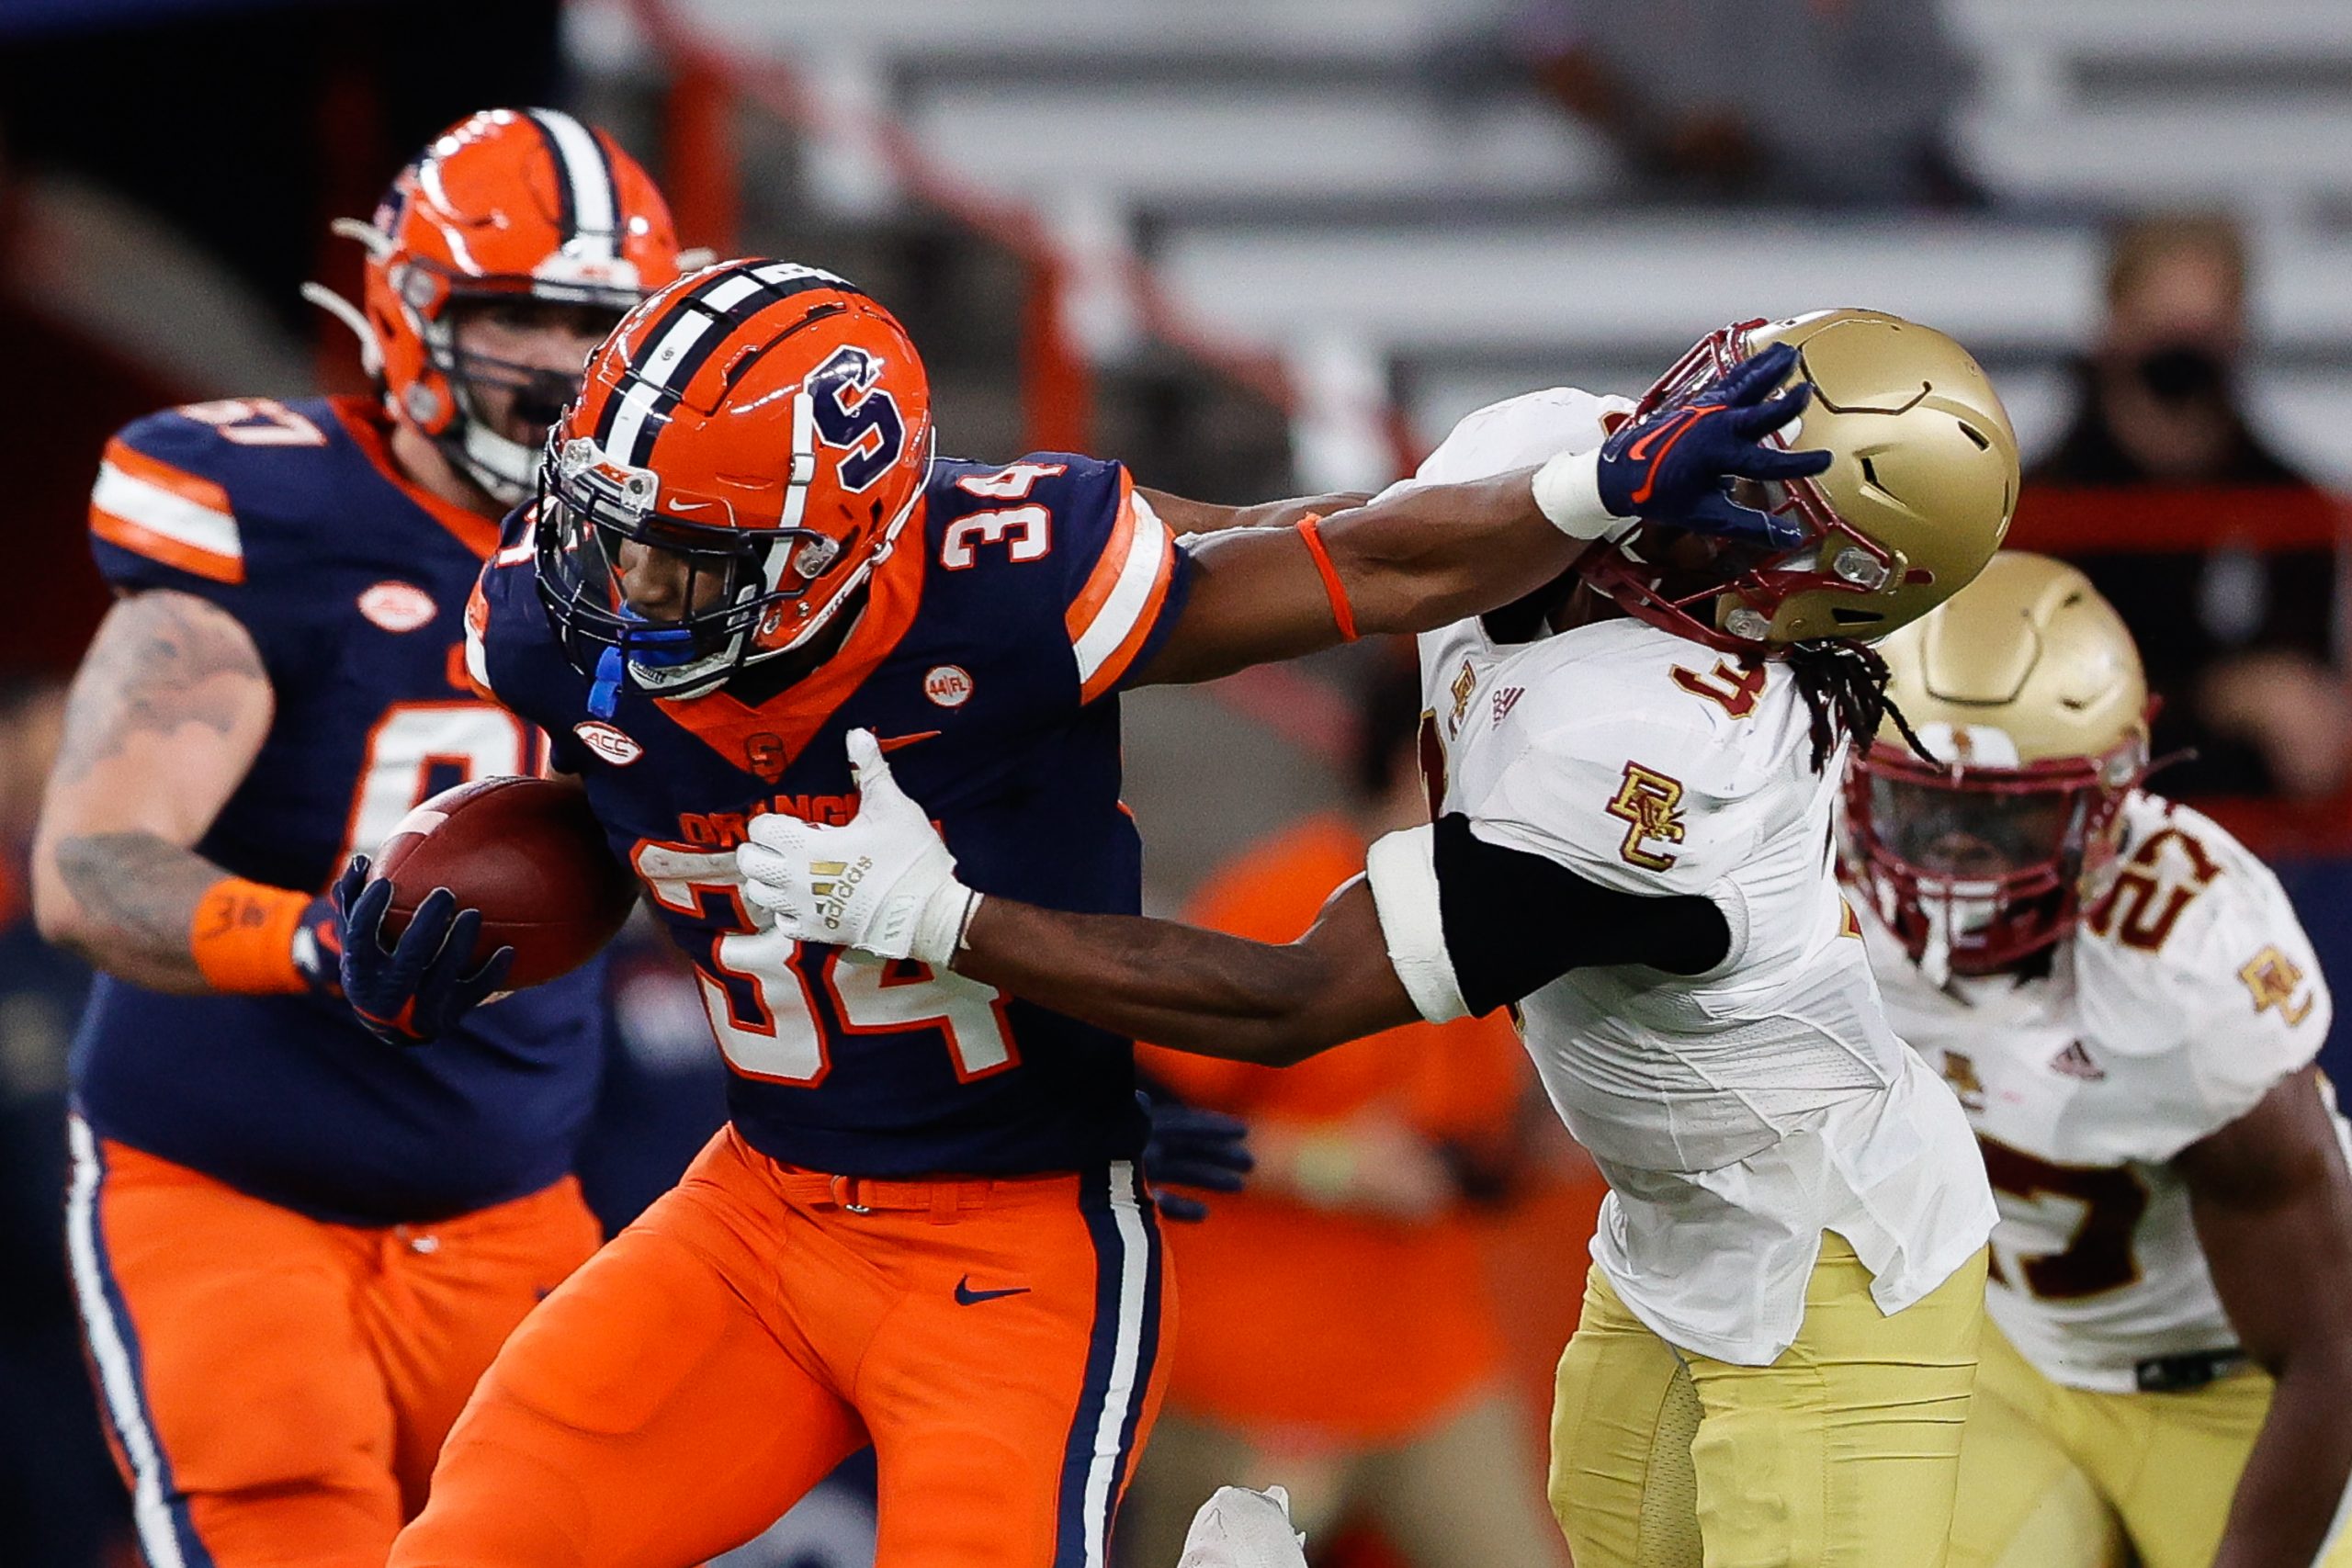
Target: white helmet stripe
[804,457]
[593,202]
[669,358]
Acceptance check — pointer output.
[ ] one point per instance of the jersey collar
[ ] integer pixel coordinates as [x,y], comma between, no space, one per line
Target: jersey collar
[767,738]
[365,426]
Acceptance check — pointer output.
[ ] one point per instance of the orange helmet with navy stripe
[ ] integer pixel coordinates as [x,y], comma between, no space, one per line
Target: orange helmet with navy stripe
[506,203]
[766,422]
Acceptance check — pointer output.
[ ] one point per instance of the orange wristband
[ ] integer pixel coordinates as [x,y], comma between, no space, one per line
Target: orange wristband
[1311,528]
[242,937]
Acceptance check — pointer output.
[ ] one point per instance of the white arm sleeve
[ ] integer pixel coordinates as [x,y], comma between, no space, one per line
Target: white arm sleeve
[1402,869]
[1523,432]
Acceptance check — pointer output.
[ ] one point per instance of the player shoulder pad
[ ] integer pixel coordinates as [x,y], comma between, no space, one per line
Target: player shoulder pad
[508,634]
[2195,953]
[1112,566]
[1518,433]
[180,494]
[1596,758]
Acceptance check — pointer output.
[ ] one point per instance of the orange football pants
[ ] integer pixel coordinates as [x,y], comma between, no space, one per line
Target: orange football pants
[276,1387]
[996,1340]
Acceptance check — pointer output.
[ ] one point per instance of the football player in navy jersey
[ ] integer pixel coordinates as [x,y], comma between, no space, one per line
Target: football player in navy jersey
[926,1226]
[295,1246]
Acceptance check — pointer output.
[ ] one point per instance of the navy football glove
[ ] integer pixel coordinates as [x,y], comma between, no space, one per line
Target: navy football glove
[1192,1147]
[1676,465]
[318,947]
[417,989]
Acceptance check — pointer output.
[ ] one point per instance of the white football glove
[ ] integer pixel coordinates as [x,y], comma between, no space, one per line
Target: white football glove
[882,884]
[1240,1529]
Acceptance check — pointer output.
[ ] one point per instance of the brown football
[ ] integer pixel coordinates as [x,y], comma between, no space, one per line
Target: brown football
[528,854]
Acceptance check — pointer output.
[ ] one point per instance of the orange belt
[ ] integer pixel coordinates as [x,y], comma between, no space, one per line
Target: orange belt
[862,1195]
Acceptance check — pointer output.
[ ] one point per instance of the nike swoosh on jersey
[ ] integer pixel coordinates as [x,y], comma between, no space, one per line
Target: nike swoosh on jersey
[892,742]
[966,1296]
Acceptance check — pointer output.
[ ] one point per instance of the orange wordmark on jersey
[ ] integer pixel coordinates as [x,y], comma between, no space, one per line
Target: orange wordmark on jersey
[1115,611]
[2275,982]
[2131,911]
[166,514]
[1728,685]
[1648,801]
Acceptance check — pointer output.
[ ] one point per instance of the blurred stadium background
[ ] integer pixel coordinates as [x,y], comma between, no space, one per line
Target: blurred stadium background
[1250,246]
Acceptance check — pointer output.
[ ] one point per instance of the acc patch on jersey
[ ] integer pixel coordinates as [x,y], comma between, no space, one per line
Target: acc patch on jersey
[398,606]
[607,742]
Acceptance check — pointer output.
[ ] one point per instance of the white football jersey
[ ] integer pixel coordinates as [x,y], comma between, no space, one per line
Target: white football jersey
[2172,1010]
[1738,1113]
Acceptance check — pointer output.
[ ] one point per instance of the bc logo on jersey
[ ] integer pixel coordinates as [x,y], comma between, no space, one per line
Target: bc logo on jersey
[1651,802]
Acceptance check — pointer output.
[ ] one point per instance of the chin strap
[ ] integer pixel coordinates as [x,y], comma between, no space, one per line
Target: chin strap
[644,645]
[604,696]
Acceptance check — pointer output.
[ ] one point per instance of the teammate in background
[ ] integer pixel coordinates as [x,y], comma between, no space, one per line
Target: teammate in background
[2124,1003]
[925,1225]
[1780,1336]
[1340,1331]
[295,1246]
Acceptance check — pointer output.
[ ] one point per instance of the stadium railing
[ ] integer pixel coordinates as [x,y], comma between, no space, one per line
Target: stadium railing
[708,84]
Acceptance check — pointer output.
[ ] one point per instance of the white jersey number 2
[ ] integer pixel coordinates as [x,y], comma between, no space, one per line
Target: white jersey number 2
[759,990]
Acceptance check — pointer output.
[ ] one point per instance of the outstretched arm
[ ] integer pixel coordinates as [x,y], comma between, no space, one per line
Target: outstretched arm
[1197,990]
[2273,1208]
[1422,557]
[1184,516]
[1442,924]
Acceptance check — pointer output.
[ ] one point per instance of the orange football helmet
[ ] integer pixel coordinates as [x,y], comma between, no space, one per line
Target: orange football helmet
[506,203]
[766,422]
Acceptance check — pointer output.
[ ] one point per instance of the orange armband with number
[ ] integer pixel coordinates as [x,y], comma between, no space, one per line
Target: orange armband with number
[242,937]
[1310,529]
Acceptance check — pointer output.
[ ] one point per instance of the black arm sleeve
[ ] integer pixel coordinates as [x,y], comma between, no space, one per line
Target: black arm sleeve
[1515,921]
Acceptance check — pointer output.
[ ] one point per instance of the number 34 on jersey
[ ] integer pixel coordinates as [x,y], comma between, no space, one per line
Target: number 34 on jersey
[760,987]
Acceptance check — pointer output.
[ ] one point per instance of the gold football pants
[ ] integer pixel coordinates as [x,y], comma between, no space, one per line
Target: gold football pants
[2059,1477]
[1843,1453]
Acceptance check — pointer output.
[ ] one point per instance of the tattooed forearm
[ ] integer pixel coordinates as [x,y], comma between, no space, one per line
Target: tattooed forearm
[166,715]
[138,897]
[161,662]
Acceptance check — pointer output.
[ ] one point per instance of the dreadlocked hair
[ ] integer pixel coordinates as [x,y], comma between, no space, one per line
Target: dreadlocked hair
[1844,684]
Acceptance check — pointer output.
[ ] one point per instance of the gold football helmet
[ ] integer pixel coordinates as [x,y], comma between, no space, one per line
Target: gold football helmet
[2027,690]
[1918,494]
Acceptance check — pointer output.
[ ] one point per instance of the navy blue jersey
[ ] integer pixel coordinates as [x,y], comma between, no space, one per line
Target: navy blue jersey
[987,662]
[353,585]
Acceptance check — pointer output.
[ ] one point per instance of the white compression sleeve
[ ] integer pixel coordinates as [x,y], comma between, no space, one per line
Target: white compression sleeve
[1402,869]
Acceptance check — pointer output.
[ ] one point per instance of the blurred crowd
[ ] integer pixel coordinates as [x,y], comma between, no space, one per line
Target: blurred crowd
[1373,1320]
